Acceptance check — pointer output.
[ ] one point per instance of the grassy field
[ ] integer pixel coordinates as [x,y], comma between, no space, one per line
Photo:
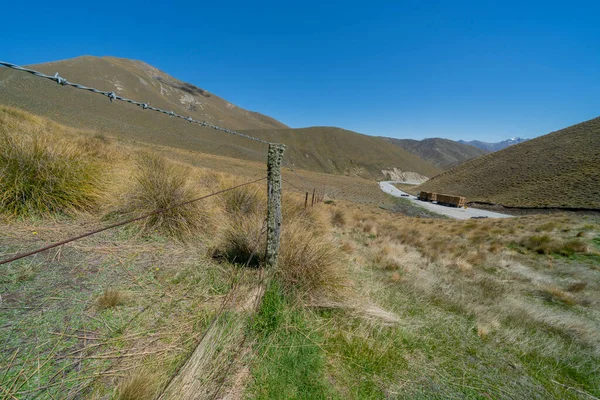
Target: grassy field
[558,170]
[372,299]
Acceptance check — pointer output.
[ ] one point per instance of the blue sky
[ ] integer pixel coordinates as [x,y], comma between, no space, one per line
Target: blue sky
[483,70]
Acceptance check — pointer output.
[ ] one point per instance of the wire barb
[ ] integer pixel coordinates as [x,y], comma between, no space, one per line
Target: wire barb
[59,80]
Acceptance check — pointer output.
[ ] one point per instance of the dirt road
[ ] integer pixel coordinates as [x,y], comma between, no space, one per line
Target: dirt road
[456,213]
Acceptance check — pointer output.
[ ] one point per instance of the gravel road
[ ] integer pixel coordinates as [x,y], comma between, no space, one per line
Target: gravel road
[456,213]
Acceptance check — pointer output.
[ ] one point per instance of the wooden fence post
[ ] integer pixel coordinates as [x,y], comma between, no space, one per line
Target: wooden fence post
[274,203]
[306,201]
[312,203]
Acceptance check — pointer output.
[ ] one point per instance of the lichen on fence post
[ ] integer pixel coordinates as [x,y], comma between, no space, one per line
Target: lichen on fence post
[275,158]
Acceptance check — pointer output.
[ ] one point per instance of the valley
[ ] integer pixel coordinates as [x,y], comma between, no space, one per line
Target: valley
[373,295]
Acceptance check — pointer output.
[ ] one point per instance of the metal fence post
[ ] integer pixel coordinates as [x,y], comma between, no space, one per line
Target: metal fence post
[274,202]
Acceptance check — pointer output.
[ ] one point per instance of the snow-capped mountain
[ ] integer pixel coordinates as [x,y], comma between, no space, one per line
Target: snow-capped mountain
[491,147]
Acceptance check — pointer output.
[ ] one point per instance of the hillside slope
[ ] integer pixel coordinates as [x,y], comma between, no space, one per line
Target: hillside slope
[443,153]
[137,80]
[561,169]
[338,151]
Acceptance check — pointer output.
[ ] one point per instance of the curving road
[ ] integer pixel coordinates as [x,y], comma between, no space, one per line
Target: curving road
[456,213]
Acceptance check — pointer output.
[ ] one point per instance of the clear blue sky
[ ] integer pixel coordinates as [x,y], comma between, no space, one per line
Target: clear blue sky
[483,70]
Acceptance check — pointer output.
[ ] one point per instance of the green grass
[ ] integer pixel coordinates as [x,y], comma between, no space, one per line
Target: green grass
[57,342]
[289,362]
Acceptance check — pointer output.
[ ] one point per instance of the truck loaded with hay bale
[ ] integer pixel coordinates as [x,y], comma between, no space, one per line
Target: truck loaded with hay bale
[443,199]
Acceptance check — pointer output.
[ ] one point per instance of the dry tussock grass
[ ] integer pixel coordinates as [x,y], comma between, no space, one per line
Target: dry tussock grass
[310,264]
[242,240]
[158,185]
[109,299]
[141,385]
[42,170]
[473,267]
[245,200]
[338,218]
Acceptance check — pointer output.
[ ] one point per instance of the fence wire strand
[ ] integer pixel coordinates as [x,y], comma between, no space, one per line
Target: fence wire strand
[155,212]
[113,96]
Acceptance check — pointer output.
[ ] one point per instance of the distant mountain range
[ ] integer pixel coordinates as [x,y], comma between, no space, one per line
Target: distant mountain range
[491,147]
[443,153]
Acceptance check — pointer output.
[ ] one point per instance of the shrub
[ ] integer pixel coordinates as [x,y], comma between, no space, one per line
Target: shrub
[45,174]
[309,262]
[157,185]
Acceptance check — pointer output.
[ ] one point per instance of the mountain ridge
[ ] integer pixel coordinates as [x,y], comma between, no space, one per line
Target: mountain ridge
[443,153]
[339,151]
[494,146]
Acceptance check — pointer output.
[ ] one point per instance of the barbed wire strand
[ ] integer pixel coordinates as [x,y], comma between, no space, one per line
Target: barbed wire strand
[113,96]
[155,212]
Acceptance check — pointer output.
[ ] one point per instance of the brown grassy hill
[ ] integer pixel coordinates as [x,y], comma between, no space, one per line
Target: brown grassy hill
[339,151]
[561,169]
[330,150]
[138,80]
[443,153]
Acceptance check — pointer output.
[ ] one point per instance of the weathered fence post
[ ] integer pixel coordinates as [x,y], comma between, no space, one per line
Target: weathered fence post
[312,203]
[274,202]
[306,201]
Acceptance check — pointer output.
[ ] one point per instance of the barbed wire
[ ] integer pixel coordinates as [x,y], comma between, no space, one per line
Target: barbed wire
[113,96]
[155,212]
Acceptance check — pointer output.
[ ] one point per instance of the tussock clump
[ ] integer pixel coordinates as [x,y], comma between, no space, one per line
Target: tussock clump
[541,244]
[544,244]
[158,184]
[338,218]
[309,262]
[109,299]
[241,241]
[140,386]
[45,174]
[244,200]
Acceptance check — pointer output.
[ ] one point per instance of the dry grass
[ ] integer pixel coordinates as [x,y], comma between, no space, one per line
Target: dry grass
[43,172]
[242,240]
[139,386]
[159,184]
[109,298]
[555,170]
[310,263]
[245,200]
[338,218]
